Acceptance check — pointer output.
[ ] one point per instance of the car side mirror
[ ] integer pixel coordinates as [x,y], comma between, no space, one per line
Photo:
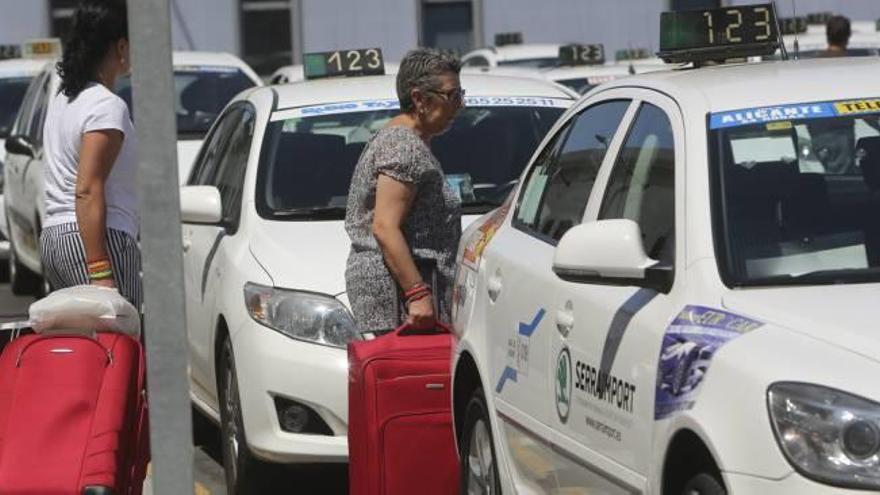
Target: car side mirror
[20,145]
[609,252]
[201,205]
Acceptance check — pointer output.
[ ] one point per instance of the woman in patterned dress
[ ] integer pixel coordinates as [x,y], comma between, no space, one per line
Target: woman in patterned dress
[403,219]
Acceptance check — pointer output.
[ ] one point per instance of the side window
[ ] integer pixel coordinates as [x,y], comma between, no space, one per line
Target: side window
[206,163]
[35,129]
[477,61]
[556,192]
[231,168]
[22,123]
[642,184]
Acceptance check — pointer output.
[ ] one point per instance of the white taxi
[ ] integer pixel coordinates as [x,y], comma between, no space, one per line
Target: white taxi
[15,76]
[530,56]
[204,82]
[265,246]
[583,67]
[294,73]
[676,299]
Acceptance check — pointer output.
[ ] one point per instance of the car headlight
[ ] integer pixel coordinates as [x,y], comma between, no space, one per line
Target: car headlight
[301,315]
[827,435]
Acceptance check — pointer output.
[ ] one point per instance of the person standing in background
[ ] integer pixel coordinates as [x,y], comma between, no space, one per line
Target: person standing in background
[838,32]
[403,219]
[92,223]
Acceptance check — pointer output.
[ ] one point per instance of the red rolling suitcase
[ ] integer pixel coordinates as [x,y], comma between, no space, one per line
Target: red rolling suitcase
[73,417]
[400,435]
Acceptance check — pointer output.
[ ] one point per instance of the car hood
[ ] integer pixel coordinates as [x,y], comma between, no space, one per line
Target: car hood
[844,316]
[307,255]
[186,154]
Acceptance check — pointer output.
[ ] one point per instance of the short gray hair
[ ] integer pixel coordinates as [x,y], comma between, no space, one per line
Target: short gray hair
[419,70]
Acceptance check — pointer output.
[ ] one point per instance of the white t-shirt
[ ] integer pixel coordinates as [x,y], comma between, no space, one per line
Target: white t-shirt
[95,108]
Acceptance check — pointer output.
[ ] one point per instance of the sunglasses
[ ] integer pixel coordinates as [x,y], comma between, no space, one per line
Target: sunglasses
[452,96]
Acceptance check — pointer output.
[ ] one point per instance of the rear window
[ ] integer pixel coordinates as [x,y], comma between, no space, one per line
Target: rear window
[12,90]
[200,93]
[310,154]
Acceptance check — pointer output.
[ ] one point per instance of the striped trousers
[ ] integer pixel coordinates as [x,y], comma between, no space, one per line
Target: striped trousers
[64,260]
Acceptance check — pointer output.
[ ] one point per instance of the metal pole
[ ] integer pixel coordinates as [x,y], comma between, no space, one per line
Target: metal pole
[296,30]
[164,331]
[479,23]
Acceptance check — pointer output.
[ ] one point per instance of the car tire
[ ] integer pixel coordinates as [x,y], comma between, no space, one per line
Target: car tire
[704,484]
[22,281]
[479,464]
[239,464]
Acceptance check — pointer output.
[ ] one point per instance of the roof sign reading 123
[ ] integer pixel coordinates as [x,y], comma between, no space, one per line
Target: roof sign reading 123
[718,34]
[364,62]
[575,54]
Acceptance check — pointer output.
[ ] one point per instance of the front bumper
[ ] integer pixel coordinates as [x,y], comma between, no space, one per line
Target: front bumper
[270,364]
[793,484]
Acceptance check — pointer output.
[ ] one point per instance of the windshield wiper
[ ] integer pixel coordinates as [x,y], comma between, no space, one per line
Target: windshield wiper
[319,212]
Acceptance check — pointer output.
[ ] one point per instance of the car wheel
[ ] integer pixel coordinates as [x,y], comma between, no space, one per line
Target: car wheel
[704,484]
[479,466]
[238,462]
[22,281]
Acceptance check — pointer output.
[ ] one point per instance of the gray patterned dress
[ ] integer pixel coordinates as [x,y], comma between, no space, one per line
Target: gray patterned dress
[432,229]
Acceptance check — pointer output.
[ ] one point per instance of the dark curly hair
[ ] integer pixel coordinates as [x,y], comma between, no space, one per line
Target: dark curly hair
[96,26]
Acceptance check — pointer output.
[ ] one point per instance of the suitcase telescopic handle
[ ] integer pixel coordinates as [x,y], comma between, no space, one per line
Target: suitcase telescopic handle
[21,352]
[406,329]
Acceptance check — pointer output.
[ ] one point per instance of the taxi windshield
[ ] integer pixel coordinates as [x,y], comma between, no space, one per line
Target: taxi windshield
[200,93]
[308,160]
[797,200]
[12,90]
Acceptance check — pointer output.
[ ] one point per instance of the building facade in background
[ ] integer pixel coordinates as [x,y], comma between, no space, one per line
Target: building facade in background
[271,33]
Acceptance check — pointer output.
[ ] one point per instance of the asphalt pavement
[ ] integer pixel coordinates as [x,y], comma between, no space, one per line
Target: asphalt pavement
[207,462]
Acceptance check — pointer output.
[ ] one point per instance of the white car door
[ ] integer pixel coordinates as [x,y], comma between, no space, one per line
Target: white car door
[523,289]
[606,362]
[17,165]
[200,245]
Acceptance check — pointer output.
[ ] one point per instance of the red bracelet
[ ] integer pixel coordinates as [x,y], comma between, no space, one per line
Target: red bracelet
[418,294]
[415,289]
[417,297]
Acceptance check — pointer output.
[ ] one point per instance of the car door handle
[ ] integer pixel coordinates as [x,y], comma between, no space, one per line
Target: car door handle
[186,245]
[565,319]
[493,287]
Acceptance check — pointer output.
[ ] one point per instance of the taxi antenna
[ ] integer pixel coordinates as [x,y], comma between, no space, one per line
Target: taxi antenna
[779,31]
[797,46]
[632,67]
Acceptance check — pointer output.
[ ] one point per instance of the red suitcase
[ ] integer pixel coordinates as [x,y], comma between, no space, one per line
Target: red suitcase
[400,435]
[73,417]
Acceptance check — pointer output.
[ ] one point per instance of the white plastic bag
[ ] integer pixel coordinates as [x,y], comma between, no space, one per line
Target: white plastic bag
[85,309]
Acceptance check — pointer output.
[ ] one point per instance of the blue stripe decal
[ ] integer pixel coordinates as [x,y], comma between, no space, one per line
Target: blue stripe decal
[527,329]
[508,374]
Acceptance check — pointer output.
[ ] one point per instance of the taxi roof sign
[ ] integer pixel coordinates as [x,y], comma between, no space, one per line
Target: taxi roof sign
[41,48]
[344,63]
[718,34]
[10,51]
[502,39]
[577,54]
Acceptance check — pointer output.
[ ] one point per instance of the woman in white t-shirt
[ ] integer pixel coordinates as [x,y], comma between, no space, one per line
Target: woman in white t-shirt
[91,228]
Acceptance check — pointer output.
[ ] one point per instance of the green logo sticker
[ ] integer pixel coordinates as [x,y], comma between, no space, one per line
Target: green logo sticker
[563,385]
